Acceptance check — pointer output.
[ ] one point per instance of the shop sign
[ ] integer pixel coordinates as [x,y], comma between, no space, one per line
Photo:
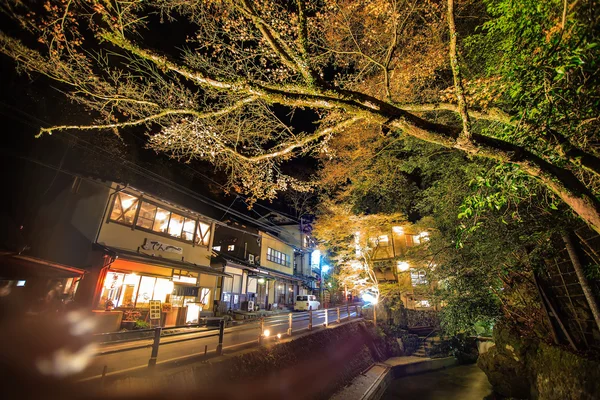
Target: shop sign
[263,272]
[155,245]
[155,309]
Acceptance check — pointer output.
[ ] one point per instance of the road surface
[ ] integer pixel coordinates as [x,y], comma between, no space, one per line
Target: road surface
[192,342]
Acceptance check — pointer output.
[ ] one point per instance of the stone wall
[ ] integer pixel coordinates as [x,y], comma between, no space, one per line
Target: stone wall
[523,368]
[309,367]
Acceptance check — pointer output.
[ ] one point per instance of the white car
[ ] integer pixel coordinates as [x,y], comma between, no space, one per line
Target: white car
[306,302]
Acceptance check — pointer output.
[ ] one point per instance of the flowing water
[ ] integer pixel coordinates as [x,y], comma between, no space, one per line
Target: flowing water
[465,382]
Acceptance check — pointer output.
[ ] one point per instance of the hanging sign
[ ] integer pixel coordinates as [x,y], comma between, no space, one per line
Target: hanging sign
[155,309]
[155,245]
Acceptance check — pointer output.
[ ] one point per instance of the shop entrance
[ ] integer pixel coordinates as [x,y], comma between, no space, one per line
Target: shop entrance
[261,293]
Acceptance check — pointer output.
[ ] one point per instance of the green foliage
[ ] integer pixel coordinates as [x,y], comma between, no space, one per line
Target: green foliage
[548,69]
[139,324]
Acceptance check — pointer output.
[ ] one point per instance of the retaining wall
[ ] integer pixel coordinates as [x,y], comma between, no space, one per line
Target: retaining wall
[312,366]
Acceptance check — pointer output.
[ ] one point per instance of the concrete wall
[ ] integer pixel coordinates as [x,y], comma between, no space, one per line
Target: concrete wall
[312,366]
[66,227]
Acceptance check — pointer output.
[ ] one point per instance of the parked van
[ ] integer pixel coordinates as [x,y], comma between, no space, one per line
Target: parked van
[306,302]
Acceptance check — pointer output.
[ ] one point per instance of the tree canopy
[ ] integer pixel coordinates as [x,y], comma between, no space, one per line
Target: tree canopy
[208,80]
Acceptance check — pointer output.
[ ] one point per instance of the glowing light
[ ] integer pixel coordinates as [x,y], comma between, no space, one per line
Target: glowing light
[161,215]
[325,268]
[315,257]
[127,203]
[279,336]
[398,229]
[369,298]
[21,283]
[261,280]
[403,266]
[424,236]
[329,284]
[280,287]
[266,333]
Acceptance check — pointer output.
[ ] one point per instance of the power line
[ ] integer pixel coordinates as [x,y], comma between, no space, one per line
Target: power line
[160,179]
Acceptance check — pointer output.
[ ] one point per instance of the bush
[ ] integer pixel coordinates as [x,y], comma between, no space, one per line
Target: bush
[139,324]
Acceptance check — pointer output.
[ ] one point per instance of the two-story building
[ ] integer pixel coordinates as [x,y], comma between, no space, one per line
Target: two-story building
[391,264]
[298,235]
[134,248]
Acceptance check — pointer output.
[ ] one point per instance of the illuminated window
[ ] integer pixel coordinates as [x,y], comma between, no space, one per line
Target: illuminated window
[161,222]
[124,208]
[278,257]
[203,233]
[146,216]
[175,225]
[217,248]
[402,266]
[418,278]
[145,291]
[230,247]
[189,225]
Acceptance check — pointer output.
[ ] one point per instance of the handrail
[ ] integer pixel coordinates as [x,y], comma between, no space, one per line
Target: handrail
[264,322]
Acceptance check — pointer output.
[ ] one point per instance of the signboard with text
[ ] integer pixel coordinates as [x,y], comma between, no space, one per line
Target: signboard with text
[155,309]
[155,245]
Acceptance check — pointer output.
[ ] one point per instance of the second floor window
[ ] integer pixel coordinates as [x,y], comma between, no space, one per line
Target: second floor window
[124,208]
[158,219]
[278,257]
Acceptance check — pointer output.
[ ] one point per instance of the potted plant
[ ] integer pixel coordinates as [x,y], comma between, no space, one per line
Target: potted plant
[129,319]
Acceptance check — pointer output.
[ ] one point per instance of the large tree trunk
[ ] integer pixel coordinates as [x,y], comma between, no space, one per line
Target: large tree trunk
[587,291]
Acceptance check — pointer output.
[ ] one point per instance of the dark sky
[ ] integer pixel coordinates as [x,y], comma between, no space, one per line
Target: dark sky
[29,165]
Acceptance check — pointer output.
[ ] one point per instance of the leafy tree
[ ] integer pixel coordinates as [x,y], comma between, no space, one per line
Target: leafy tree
[353,240]
[211,90]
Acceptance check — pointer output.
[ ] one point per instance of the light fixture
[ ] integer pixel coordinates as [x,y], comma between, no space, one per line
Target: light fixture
[280,287]
[279,336]
[398,229]
[369,298]
[126,203]
[261,280]
[329,284]
[266,333]
[403,266]
[325,268]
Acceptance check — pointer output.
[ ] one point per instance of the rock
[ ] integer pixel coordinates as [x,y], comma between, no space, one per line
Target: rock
[507,376]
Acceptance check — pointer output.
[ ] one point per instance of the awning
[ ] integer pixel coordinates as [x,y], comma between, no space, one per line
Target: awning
[16,267]
[161,262]
[267,273]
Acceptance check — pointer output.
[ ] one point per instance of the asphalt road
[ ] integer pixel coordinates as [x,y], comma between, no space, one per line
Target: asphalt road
[186,345]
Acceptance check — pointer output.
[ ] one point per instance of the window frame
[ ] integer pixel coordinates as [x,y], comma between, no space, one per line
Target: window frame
[279,257]
[112,207]
[134,226]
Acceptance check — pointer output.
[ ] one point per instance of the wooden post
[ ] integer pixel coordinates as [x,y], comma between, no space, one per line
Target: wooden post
[338,315]
[326,317]
[348,311]
[290,317]
[587,291]
[310,320]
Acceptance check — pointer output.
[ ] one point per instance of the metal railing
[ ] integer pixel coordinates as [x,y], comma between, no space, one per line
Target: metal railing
[264,327]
